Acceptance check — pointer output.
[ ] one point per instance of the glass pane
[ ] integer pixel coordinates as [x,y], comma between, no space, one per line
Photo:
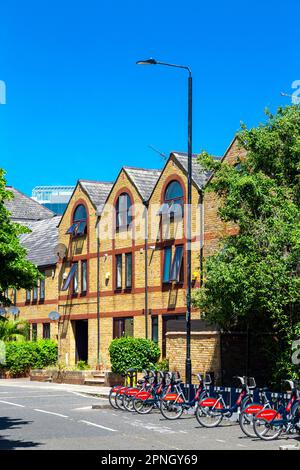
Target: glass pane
[46,330]
[70,276]
[174,191]
[123,210]
[28,295]
[128,258]
[42,289]
[75,281]
[154,321]
[34,293]
[167,264]
[34,332]
[176,266]
[80,213]
[83,276]
[81,228]
[119,271]
[128,326]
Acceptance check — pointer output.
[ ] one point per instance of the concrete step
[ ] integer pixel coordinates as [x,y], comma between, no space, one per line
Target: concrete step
[94,381]
[98,374]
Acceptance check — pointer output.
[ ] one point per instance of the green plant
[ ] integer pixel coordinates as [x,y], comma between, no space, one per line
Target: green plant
[128,352]
[162,365]
[82,365]
[13,330]
[23,356]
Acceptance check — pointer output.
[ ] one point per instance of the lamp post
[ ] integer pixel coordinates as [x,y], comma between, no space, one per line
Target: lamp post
[188,364]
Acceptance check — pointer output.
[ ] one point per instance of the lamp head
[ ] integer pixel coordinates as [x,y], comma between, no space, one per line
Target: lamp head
[150,61]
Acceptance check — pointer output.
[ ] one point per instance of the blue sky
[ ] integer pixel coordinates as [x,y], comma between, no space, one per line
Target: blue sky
[78,106]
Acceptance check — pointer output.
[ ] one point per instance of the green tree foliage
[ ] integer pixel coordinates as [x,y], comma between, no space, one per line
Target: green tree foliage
[13,330]
[15,270]
[127,352]
[254,278]
[21,357]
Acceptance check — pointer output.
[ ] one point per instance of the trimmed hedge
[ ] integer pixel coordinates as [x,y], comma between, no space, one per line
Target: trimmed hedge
[23,356]
[127,352]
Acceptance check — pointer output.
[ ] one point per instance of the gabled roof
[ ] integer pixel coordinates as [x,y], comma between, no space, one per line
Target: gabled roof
[41,242]
[143,179]
[24,208]
[97,191]
[199,175]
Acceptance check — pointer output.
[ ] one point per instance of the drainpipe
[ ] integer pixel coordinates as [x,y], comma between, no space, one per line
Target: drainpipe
[201,236]
[98,293]
[146,269]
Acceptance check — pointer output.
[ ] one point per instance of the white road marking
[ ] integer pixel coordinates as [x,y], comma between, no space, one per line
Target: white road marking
[82,408]
[220,440]
[37,396]
[9,403]
[87,396]
[241,445]
[51,413]
[97,425]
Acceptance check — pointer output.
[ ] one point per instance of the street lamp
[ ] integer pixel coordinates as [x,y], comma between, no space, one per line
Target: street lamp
[188,364]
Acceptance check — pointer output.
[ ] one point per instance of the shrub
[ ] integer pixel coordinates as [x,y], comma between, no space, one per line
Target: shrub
[23,356]
[82,365]
[127,352]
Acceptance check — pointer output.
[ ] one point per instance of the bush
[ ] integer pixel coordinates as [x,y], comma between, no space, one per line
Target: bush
[21,357]
[82,365]
[127,352]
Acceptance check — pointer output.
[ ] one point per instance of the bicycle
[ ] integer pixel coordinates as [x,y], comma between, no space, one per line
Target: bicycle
[269,424]
[116,393]
[246,415]
[173,404]
[212,410]
[145,400]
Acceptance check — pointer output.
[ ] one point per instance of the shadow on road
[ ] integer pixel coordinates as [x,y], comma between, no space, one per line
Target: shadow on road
[9,444]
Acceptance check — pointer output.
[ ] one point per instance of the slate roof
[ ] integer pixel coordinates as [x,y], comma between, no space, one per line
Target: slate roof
[97,191]
[23,208]
[143,179]
[200,177]
[41,242]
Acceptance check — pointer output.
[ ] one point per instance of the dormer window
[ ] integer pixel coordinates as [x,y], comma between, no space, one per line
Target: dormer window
[78,226]
[173,201]
[123,209]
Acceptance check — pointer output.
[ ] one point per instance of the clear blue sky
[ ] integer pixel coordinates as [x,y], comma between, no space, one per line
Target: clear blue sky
[79,107]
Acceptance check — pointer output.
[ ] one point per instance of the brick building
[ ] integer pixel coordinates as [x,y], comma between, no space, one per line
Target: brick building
[115,264]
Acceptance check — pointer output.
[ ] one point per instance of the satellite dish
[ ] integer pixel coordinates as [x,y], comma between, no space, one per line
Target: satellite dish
[13,310]
[60,250]
[54,316]
[2,311]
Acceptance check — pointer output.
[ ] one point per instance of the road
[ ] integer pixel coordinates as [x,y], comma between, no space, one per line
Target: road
[39,417]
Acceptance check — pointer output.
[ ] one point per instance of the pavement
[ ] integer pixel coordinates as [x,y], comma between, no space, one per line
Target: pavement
[37,415]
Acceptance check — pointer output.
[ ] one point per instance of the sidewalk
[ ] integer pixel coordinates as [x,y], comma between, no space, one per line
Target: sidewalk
[27,383]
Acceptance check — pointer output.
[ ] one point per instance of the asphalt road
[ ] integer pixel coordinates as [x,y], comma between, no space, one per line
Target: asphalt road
[42,418]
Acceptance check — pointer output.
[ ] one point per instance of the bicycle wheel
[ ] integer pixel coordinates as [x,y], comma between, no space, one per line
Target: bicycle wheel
[112,399]
[120,401]
[246,424]
[142,407]
[266,430]
[128,403]
[208,417]
[170,409]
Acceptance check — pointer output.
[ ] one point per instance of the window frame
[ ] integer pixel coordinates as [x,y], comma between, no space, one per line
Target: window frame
[35,294]
[178,278]
[70,276]
[121,226]
[84,277]
[48,335]
[128,256]
[119,326]
[42,288]
[118,263]
[74,229]
[167,249]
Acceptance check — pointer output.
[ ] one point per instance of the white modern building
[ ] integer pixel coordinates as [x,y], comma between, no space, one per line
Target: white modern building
[54,198]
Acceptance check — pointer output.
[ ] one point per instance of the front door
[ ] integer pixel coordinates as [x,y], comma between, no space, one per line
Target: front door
[81,340]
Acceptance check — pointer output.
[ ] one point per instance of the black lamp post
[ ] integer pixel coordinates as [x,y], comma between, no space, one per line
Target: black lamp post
[188,364]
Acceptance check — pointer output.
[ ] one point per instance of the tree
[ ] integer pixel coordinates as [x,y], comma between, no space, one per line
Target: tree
[254,279]
[13,330]
[15,270]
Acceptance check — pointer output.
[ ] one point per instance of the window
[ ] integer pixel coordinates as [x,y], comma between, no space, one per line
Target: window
[176,271]
[46,330]
[33,332]
[83,276]
[154,329]
[173,200]
[123,209]
[42,289]
[122,327]
[78,226]
[28,295]
[118,271]
[167,263]
[72,272]
[128,270]
[34,293]
[75,280]
[173,271]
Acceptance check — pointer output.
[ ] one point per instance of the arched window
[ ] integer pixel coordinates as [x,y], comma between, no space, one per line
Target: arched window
[173,199]
[123,205]
[79,222]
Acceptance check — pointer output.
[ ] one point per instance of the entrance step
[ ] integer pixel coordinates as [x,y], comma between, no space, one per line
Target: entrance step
[95,381]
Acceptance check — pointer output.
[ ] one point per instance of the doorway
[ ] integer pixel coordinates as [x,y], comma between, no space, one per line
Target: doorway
[81,340]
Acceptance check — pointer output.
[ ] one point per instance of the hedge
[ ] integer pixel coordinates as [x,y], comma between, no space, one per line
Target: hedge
[23,356]
[128,352]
